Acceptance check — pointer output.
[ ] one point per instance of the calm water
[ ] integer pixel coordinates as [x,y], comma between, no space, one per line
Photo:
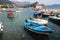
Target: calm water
[14,28]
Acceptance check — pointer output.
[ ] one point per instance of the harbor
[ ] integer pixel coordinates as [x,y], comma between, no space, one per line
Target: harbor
[29,20]
[14,28]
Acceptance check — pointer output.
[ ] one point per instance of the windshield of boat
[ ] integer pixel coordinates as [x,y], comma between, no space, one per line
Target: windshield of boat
[34,24]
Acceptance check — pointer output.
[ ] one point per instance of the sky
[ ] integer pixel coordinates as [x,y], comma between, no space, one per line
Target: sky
[46,2]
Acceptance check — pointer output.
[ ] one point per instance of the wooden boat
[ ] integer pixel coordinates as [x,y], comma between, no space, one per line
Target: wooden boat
[10,14]
[37,28]
[38,21]
[1,27]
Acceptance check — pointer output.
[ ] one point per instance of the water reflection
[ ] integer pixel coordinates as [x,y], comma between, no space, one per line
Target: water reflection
[1,36]
[38,36]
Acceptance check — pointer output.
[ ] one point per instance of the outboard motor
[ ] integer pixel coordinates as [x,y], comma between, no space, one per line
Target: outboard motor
[26,20]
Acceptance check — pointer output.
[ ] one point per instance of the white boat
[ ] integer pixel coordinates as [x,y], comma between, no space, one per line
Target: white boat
[1,27]
[55,19]
[39,21]
[18,11]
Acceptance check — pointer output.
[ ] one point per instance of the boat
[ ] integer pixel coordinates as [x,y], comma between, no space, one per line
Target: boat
[18,11]
[47,13]
[4,9]
[10,15]
[55,19]
[1,27]
[37,14]
[37,28]
[38,21]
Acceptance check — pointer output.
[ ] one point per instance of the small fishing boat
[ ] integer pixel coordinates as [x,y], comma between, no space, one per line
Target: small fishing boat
[37,14]
[55,19]
[18,11]
[10,15]
[37,28]
[1,27]
[38,21]
[45,14]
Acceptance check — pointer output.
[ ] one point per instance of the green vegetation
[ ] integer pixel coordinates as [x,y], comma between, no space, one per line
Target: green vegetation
[4,6]
[33,4]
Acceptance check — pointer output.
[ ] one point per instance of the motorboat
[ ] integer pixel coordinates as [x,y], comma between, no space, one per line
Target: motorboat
[37,14]
[1,27]
[18,11]
[37,28]
[10,15]
[38,21]
[55,19]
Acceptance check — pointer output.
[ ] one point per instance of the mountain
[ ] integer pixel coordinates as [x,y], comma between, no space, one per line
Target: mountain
[6,2]
[25,3]
[54,6]
[33,4]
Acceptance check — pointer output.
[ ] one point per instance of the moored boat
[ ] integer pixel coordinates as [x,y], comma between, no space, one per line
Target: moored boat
[37,14]
[38,21]
[18,11]
[55,19]
[37,28]
[10,14]
[1,27]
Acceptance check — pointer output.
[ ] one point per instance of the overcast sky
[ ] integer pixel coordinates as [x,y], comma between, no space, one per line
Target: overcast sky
[46,2]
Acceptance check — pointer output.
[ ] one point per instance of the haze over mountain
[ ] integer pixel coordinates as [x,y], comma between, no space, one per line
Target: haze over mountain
[6,2]
[24,3]
[56,6]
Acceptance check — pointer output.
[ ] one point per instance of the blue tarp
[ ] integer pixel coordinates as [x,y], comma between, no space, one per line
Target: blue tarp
[37,12]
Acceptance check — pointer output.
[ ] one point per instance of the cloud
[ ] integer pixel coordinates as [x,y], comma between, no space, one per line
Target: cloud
[19,0]
[46,2]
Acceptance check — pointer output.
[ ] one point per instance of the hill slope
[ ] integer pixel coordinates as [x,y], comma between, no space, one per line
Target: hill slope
[6,2]
[56,6]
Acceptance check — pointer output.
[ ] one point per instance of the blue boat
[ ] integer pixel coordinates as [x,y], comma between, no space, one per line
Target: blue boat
[37,14]
[37,28]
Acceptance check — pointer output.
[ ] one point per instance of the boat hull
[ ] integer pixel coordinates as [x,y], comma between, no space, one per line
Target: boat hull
[46,33]
[39,21]
[10,16]
[37,29]
[55,21]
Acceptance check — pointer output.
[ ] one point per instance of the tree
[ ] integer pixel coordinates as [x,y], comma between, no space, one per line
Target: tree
[33,4]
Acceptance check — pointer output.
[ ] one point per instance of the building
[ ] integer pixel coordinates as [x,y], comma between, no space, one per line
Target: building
[6,4]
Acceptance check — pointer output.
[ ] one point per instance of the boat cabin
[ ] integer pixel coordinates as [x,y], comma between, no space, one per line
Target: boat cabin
[37,15]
